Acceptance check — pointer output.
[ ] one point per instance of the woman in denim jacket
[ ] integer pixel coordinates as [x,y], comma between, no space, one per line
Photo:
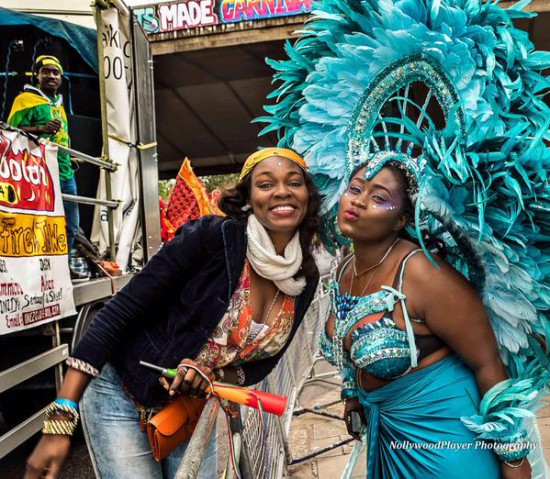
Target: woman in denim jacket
[226,295]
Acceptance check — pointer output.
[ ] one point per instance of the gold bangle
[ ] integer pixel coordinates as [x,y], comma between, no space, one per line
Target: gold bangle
[515,465]
[55,408]
[62,428]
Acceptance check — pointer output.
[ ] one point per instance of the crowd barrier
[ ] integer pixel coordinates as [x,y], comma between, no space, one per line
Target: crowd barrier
[262,450]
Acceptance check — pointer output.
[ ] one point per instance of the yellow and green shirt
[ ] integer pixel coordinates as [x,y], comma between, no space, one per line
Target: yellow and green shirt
[33,108]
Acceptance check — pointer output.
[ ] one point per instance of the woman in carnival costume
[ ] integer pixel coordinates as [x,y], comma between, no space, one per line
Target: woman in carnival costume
[226,296]
[426,118]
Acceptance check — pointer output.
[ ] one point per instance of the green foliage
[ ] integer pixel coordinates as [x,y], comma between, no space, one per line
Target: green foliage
[219,181]
[165,188]
[210,183]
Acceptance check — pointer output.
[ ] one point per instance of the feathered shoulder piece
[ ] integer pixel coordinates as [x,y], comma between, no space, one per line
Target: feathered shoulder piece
[453,87]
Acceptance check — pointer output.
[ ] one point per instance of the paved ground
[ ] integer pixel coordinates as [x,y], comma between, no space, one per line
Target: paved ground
[78,465]
[310,432]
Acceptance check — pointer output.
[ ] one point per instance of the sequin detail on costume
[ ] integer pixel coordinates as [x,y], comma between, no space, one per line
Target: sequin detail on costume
[404,72]
[347,311]
[380,348]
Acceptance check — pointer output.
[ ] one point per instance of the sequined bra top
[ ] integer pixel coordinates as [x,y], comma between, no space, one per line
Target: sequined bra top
[380,348]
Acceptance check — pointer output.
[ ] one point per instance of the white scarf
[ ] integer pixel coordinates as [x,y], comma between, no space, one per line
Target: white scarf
[268,264]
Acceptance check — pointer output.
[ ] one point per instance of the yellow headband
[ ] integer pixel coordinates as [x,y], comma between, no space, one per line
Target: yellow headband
[265,153]
[44,60]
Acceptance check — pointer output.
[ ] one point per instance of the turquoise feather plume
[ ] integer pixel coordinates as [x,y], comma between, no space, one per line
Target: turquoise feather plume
[486,189]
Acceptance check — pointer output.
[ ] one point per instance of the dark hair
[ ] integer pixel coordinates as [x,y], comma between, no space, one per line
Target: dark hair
[431,241]
[404,184]
[233,199]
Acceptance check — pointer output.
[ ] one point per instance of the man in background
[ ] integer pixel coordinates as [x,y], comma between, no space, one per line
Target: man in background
[39,111]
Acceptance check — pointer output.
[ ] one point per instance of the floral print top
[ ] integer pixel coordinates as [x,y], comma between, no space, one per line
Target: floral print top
[233,342]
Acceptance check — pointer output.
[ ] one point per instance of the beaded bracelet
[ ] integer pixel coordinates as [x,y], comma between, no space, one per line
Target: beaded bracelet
[347,393]
[515,465]
[512,451]
[513,447]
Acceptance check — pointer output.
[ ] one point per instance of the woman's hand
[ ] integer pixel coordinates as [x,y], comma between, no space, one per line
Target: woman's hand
[353,405]
[189,381]
[48,457]
[520,472]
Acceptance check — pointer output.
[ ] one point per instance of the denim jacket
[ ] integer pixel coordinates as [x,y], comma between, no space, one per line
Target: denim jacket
[169,310]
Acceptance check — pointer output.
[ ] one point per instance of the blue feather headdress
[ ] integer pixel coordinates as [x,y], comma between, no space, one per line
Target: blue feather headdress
[453,85]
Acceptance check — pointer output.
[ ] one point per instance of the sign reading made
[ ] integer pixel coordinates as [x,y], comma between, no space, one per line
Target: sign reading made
[183,15]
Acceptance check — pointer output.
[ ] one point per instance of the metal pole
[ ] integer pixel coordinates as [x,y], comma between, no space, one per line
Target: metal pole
[90,201]
[104,128]
[316,453]
[192,460]
[107,165]
[245,463]
[238,446]
[56,342]
[121,7]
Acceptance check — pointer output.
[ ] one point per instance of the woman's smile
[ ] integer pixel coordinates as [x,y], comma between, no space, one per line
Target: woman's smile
[284,210]
[279,196]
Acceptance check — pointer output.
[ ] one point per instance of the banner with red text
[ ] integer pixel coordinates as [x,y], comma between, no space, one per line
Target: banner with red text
[35,283]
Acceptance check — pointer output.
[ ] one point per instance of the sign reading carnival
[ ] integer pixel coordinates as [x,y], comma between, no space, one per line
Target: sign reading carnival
[35,284]
[183,15]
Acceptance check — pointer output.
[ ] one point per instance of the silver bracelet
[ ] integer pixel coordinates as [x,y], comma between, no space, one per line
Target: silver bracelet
[515,465]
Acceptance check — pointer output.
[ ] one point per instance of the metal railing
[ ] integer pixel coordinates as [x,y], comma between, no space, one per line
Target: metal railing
[54,357]
[264,451]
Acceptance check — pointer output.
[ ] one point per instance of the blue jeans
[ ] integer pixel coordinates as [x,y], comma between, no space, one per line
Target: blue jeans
[117,447]
[71,210]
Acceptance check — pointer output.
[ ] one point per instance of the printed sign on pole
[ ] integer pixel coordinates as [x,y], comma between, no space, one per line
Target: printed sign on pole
[121,119]
[35,282]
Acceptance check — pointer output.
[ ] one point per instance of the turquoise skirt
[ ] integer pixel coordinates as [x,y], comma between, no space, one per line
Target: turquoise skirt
[414,428]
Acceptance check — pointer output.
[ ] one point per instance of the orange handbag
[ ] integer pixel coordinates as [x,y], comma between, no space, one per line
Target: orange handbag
[174,424]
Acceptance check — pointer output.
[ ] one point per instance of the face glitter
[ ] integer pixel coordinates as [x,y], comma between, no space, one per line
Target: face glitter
[384,205]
